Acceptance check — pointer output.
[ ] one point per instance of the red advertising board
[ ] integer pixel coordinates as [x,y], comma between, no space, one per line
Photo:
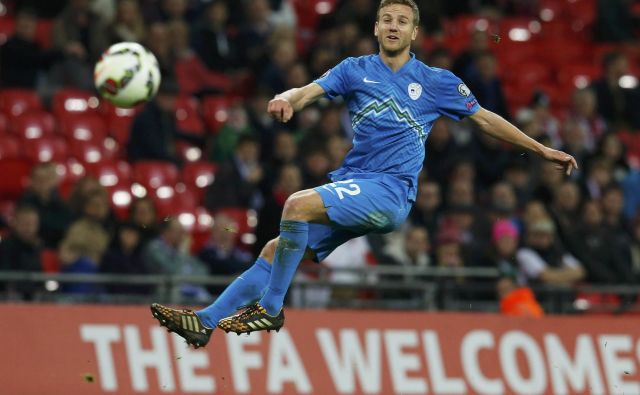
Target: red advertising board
[67,350]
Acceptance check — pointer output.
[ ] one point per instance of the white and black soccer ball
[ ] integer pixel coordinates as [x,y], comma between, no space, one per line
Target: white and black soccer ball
[127,74]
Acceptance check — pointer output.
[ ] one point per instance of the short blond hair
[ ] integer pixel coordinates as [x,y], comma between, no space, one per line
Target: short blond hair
[410,3]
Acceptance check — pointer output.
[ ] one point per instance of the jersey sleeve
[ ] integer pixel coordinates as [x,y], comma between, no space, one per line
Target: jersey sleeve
[454,99]
[335,81]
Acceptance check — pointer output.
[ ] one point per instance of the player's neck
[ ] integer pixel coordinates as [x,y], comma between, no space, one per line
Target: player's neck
[395,61]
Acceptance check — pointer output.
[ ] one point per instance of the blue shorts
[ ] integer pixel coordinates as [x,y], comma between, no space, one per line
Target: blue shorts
[358,204]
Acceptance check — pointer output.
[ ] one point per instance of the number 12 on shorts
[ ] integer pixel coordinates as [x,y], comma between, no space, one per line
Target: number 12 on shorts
[350,189]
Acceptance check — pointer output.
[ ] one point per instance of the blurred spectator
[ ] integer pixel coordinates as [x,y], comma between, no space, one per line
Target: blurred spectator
[238,180]
[285,151]
[540,104]
[543,260]
[169,254]
[612,205]
[214,42]
[442,151]
[124,256]
[192,75]
[440,57]
[635,246]
[465,65]
[287,182]
[226,139]
[154,131]
[315,166]
[260,123]
[75,259]
[427,210]
[614,21]
[281,57]
[142,213]
[486,85]
[128,25]
[461,193]
[503,201]
[515,298]
[20,249]
[576,140]
[21,58]
[489,157]
[412,251]
[362,12]
[173,10]
[599,176]
[221,254]
[607,257]
[612,150]
[158,42]
[550,179]
[255,32]
[631,188]
[617,102]
[82,189]
[79,27]
[533,211]
[583,112]
[517,174]
[42,194]
[91,233]
[337,148]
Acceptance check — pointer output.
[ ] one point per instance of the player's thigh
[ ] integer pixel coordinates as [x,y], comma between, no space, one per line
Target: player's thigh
[364,205]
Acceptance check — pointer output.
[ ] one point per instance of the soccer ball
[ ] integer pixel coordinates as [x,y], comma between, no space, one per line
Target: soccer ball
[127,74]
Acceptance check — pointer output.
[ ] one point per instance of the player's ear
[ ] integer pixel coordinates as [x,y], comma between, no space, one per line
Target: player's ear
[414,34]
[375,29]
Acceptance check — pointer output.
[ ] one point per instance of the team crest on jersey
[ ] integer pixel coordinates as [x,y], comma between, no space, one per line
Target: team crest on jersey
[464,90]
[415,90]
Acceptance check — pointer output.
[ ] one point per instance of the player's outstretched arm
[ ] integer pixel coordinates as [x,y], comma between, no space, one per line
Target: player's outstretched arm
[496,126]
[283,105]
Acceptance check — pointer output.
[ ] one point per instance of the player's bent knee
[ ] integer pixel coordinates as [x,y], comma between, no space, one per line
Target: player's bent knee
[304,205]
[269,250]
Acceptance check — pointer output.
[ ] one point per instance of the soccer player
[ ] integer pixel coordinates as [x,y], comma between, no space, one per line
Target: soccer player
[393,100]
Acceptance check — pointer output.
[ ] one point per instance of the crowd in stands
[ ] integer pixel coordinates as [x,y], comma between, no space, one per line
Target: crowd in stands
[480,203]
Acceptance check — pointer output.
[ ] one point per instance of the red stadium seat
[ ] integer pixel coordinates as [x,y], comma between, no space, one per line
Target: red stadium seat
[119,121]
[14,102]
[198,176]
[70,172]
[9,147]
[188,115]
[188,152]
[215,110]
[3,123]
[43,33]
[7,208]
[578,74]
[6,29]
[33,125]
[73,101]
[174,200]
[247,221]
[154,174]
[86,151]
[15,176]
[121,199]
[84,127]
[50,261]
[45,149]
[110,173]
[529,74]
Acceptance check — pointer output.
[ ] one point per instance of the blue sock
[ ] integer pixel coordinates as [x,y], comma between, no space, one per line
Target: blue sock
[245,289]
[292,244]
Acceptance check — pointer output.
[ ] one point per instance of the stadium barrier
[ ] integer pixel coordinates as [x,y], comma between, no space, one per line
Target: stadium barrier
[62,350]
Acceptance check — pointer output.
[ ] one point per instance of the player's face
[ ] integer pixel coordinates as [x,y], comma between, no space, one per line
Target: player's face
[395,29]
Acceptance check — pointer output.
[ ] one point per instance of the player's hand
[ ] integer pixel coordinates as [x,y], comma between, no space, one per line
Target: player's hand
[563,160]
[280,109]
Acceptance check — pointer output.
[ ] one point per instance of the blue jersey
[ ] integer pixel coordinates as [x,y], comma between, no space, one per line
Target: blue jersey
[392,113]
